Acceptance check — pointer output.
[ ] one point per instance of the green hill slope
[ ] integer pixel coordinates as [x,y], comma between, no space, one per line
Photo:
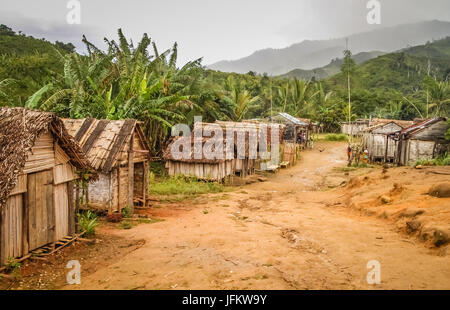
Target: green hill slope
[403,70]
[331,69]
[30,61]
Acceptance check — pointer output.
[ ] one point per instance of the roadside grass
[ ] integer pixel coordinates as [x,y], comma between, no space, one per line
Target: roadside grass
[336,137]
[128,224]
[330,137]
[353,167]
[179,187]
[441,161]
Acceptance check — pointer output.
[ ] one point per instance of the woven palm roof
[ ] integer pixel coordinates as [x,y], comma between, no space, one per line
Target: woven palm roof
[103,140]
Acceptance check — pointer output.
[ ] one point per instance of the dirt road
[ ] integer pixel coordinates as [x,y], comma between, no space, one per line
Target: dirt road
[285,233]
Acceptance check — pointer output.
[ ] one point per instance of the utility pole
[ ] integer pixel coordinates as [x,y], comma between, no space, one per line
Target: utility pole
[349,94]
[271,112]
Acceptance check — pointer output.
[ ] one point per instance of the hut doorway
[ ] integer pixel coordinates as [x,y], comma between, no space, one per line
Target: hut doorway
[40,209]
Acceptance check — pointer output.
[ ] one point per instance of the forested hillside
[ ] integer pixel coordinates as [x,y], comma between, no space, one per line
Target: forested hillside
[334,67]
[142,82]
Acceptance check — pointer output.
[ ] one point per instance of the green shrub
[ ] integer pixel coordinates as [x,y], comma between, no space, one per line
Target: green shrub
[127,212]
[88,221]
[12,266]
[440,161]
[336,137]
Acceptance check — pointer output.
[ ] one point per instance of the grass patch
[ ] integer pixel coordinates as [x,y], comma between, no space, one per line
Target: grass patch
[336,137]
[353,167]
[183,186]
[441,161]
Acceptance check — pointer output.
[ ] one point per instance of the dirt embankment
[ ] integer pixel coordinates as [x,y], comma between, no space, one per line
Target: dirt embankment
[413,199]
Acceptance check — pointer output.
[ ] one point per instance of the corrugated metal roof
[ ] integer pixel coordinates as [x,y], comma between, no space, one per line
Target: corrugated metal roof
[292,119]
[421,125]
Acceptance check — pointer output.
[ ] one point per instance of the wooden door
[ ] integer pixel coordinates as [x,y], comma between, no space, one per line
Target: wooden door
[40,204]
[61,211]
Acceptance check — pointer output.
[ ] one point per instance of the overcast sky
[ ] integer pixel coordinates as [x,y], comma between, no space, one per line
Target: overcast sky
[212,29]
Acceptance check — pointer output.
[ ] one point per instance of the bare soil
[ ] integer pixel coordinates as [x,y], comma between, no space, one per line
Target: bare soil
[311,226]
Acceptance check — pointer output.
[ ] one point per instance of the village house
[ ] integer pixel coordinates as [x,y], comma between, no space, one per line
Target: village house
[39,162]
[424,140]
[355,128]
[241,157]
[295,137]
[119,152]
[378,142]
[194,163]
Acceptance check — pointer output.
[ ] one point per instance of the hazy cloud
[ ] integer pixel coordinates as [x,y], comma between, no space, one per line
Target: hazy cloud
[213,29]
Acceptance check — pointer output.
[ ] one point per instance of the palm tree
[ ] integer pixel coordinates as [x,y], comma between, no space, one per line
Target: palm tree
[301,96]
[239,99]
[438,94]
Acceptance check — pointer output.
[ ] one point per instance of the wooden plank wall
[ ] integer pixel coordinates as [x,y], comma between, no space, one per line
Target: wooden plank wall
[42,154]
[61,202]
[204,171]
[11,229]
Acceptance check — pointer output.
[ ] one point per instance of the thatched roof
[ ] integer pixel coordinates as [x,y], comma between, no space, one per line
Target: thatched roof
[103,141]
[196,155]
[19,129]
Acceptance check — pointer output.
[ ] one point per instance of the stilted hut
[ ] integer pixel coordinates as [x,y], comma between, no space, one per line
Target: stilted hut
[194,162]
[38,163]
[119,151]
[380,145]
[424,140]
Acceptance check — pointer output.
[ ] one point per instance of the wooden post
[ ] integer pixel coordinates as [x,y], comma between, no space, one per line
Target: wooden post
[131,175]
[77,205]
[71,214]
[386,149]
[145,184]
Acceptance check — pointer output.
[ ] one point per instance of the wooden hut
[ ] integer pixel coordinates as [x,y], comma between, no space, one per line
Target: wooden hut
[355,128]
[119,151]
[295,137]
[38,162]
[378,142]
[195,163]
[424,140]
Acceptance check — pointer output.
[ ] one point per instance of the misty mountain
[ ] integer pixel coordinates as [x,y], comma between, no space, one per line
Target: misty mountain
[310,54]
